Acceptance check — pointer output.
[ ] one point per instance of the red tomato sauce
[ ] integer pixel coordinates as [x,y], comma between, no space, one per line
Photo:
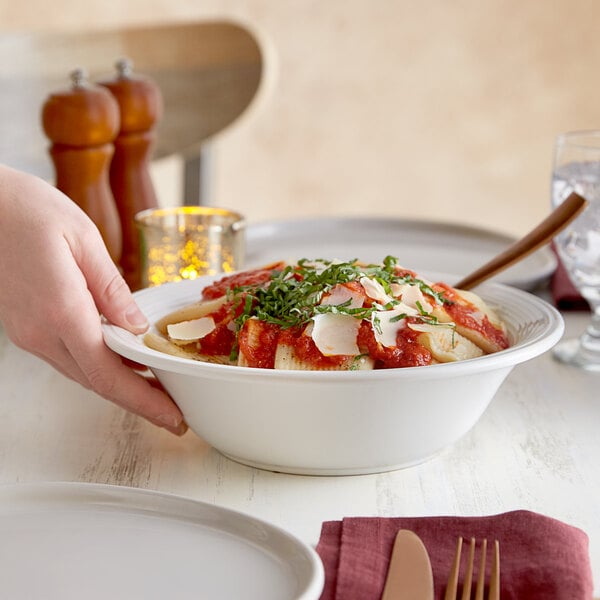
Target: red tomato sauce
[306,350]
[407,353]
[261,352]
[218,342]
[401,272]
[221,340]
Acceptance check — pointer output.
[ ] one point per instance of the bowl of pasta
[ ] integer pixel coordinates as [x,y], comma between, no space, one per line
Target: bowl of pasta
[330,367]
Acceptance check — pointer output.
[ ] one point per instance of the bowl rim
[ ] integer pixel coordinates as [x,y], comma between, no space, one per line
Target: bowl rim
[132,347]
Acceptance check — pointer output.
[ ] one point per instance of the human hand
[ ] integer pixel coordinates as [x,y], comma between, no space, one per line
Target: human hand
[57,277]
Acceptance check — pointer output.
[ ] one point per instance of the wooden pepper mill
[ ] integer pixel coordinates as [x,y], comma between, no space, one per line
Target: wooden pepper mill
[82,123]
[140,104]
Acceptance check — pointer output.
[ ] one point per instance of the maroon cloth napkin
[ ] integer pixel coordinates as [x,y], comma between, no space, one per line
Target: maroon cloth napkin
[540,558]
[564,294]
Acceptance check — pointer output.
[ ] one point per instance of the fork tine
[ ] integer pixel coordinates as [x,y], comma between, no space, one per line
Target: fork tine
[494,584]
[481,574]
[452,586]
[466,593]
[495,578]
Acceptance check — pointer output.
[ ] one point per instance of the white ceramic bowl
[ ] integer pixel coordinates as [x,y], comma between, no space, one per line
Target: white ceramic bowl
[337,423]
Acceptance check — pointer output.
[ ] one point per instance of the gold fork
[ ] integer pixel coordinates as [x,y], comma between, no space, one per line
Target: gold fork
[494,587]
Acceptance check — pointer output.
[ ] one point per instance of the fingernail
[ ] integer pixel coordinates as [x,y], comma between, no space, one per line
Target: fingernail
[135,317]
[171,423]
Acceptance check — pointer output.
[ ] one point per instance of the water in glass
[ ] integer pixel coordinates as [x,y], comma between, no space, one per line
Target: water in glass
[577,168]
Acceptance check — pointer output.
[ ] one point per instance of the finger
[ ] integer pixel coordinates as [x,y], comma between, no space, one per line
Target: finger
[109,290]
[111,379]
[62,361]
[119,384]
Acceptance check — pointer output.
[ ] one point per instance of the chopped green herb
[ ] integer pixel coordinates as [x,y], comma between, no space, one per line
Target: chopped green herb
[398,318]
[292,296]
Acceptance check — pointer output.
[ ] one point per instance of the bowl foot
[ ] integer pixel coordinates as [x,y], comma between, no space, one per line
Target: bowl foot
[329,471]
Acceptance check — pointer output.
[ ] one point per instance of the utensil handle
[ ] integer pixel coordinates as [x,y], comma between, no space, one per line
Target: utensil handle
[557,220]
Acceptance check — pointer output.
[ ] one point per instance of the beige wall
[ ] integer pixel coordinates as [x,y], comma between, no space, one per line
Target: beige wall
[440,109]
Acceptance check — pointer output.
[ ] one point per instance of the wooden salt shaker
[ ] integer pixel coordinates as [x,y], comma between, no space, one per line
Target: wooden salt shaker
[140,104]
[82,123]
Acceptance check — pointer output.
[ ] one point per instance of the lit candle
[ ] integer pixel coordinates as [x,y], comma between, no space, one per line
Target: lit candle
[187,242]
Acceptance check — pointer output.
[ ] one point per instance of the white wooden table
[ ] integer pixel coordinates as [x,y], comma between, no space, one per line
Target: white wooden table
[537,447]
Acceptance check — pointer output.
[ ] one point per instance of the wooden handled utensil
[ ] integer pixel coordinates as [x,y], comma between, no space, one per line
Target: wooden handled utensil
[556,221]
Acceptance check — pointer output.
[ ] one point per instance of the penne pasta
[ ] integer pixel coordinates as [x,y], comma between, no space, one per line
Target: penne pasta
[287,360]
[162,344]
[447,345]
[476,301]
[257,342]
[479,323]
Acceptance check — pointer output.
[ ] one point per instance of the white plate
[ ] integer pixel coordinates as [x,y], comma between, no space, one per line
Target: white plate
[425,247]
[72,541]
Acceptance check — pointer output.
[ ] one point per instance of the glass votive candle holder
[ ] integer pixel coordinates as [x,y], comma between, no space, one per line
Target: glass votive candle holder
[186,242]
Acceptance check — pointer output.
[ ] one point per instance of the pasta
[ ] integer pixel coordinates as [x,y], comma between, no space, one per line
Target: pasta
[330,315]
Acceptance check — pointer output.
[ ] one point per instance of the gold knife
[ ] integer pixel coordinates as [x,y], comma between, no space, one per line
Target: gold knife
[409,575]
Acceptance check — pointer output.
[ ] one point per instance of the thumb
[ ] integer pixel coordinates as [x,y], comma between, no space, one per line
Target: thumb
[109,290]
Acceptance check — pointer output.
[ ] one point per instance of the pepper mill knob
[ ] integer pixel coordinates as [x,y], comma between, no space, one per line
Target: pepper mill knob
[81,123]
[140,104]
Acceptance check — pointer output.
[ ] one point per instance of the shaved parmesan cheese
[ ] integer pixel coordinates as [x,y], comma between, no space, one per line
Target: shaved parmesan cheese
[340,294]
[375,290]
[386,330]
[335,334]
[411,294]
[396,289]
[191,330]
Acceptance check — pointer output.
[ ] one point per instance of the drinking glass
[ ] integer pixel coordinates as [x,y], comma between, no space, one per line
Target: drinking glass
[577,168]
